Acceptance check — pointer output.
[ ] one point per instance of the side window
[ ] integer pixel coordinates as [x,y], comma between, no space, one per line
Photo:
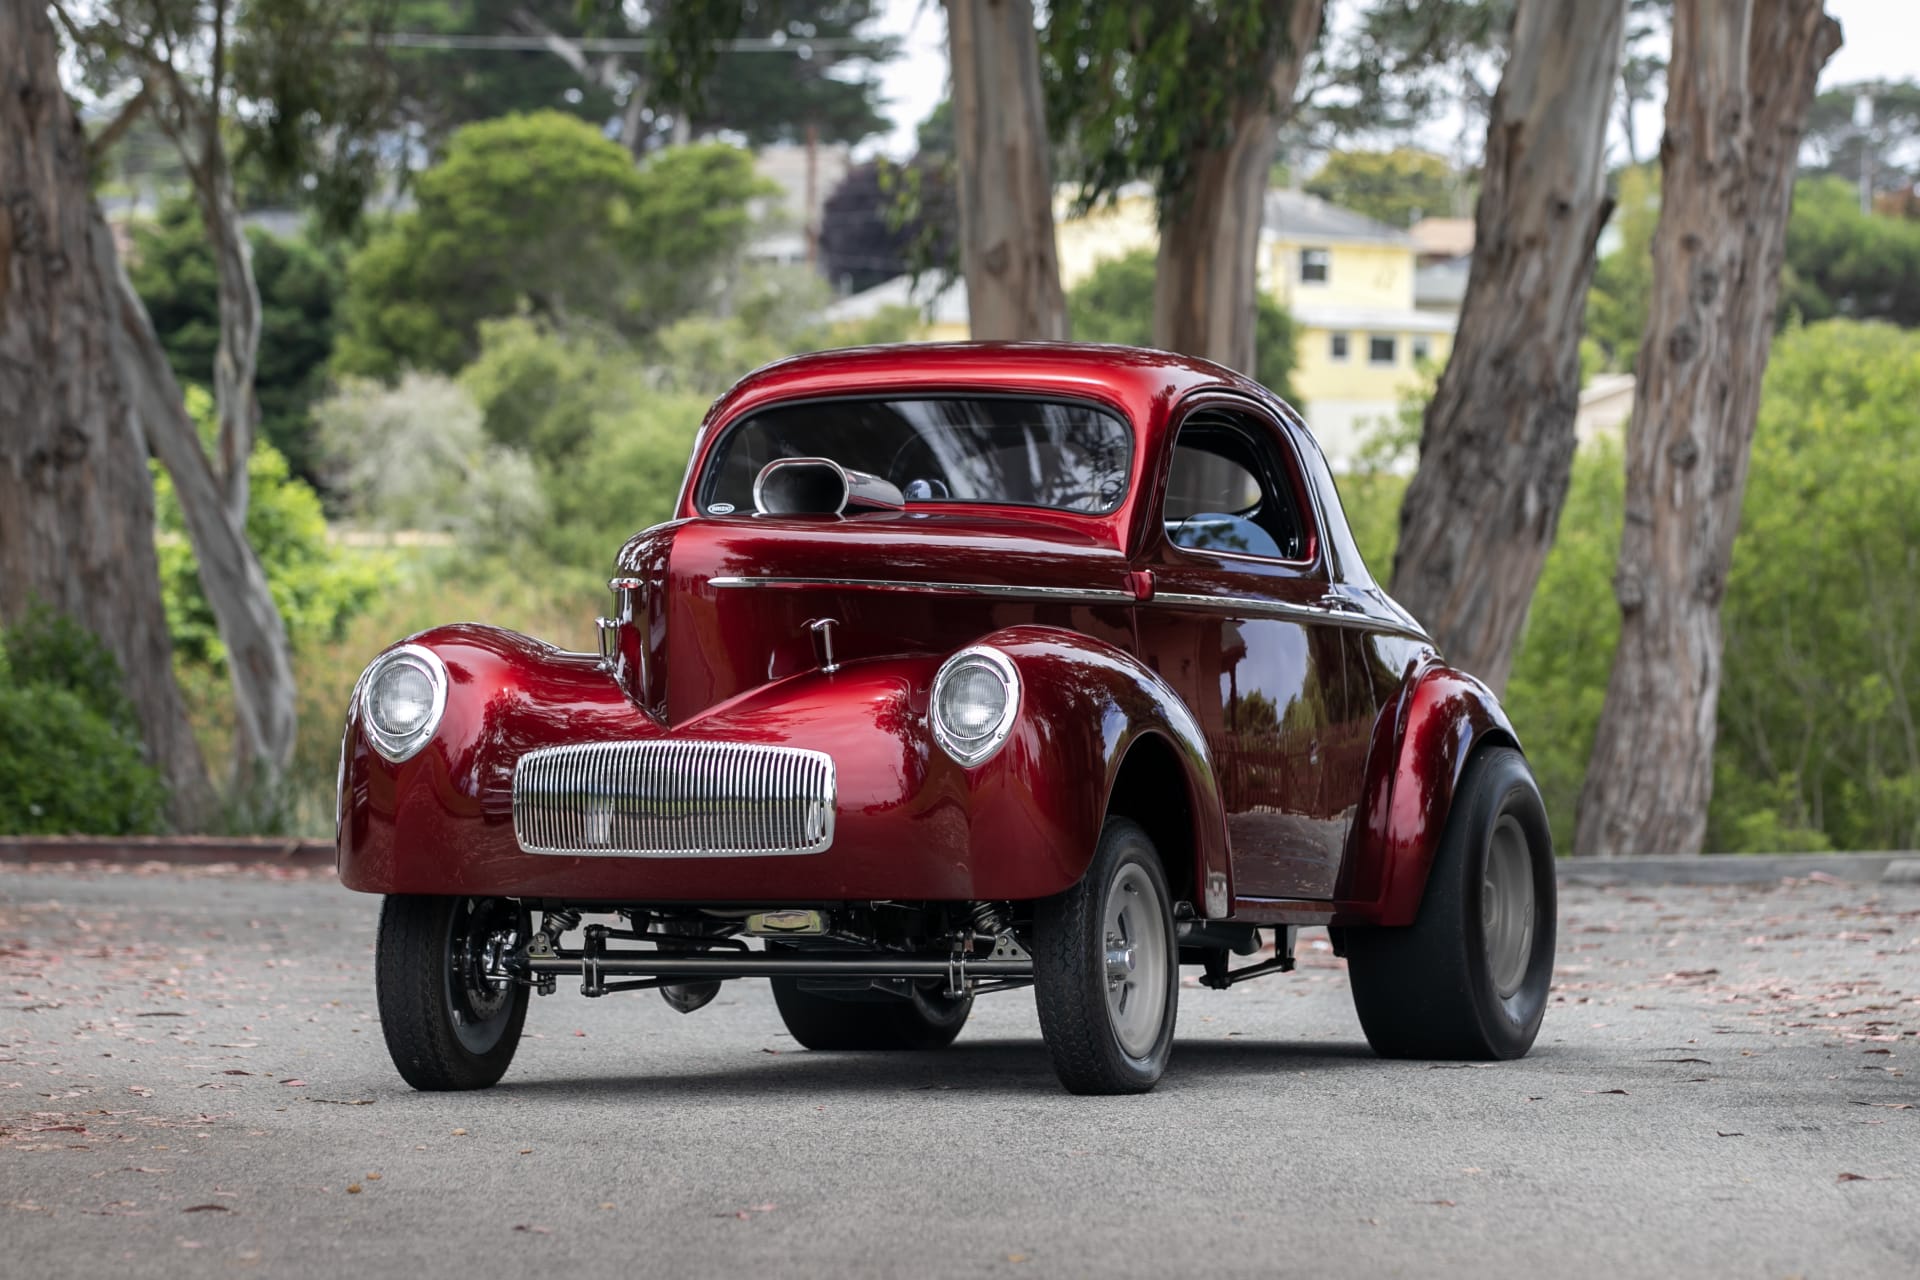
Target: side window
[1315,265]
[1337,347]
[1230,489]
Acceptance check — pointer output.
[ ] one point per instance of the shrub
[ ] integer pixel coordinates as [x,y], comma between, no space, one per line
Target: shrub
[73,760]
[316,585]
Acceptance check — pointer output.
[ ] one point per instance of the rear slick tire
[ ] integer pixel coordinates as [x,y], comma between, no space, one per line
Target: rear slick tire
[448,1026]
[926,1020]
[1106,969]
[1468,979]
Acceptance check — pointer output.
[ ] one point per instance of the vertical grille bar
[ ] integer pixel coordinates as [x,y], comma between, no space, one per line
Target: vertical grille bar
[673,798]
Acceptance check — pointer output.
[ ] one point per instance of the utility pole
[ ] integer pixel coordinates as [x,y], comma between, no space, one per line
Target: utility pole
[1863,128]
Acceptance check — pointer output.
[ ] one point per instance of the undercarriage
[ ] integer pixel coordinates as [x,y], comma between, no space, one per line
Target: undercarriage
[841,950]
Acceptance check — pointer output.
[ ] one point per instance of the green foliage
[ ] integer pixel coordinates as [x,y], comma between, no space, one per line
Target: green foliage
[1144,90]
[316,586]
[1623,278]
[1819,698]
[1821,695]
[760,96]
[1396,187]
[1560,670]
[73,760]
[415,458]
[607,443]
[51,649]
[541,214]
[296,113]
[1842,262]
[1115,304]
[300,281]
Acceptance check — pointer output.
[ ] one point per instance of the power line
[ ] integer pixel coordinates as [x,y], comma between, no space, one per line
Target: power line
[804,48]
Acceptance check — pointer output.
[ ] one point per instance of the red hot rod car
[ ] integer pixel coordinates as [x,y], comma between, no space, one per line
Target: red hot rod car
[959,669]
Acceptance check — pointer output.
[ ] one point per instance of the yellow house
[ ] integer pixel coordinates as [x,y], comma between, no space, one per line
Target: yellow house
[1359,341]
[1347,280]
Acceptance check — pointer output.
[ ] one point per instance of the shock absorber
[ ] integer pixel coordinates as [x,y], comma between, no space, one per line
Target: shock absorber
[552,925]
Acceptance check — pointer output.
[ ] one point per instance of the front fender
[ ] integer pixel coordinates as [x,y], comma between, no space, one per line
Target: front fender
[1087,705]
[910,823]
[1421,746]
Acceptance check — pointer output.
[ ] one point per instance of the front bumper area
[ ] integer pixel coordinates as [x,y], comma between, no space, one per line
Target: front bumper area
[907,823]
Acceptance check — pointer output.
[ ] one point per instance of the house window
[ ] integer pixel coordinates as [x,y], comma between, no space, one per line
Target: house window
[1314,264]
[1337,347]
[1422,349]
[1382,348]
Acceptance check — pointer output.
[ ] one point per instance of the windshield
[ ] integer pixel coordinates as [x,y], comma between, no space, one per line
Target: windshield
[1002,450]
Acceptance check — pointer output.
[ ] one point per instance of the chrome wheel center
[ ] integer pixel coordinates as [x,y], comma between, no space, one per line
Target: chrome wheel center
[1507,907]
[1138,967]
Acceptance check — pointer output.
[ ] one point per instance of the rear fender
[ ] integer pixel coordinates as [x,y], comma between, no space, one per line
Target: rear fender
[1086,706]
[1422,743]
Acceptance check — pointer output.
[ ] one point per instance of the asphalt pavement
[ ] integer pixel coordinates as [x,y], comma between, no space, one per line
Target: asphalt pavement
[192,1082]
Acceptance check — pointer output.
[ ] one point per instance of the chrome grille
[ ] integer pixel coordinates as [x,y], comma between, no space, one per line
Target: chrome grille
[673,799]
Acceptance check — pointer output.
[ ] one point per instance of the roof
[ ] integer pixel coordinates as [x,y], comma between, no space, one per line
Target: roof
[1442,237]
[1135,377]
[1441,285]
[939,305]
[1295,215]
[1372,319]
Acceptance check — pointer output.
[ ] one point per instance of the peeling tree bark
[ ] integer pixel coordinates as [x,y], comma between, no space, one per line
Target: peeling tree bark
[1738,89]
[1206,278]
[1007,249]
[1497,443]
[76,499]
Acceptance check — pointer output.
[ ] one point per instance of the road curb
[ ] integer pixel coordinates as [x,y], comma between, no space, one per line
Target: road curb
[179,850]
[1745,868]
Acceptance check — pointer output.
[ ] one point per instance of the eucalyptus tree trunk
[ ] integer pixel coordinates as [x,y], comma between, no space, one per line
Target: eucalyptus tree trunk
[1496,447]
[76,499]
[259,659]
[1738,89]
[1206,278]
[1007,249]
[236,356]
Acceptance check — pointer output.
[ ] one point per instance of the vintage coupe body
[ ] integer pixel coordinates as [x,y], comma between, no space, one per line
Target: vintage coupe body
[960,668]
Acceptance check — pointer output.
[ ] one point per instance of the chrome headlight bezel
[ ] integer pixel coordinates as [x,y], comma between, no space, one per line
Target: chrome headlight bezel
[397,748]
[972,751]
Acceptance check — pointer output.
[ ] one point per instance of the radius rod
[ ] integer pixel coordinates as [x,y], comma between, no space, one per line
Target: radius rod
[765,965]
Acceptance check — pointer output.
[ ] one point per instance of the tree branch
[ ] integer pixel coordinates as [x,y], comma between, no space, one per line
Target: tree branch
[102,142]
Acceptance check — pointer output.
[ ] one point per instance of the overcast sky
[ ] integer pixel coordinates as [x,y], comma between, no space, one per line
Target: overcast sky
[1882,43]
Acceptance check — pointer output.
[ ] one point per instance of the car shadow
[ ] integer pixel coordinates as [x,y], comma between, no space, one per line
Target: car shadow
[998,1066]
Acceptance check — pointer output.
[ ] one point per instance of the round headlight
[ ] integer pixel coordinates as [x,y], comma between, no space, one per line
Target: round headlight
[401,699]
[975,697]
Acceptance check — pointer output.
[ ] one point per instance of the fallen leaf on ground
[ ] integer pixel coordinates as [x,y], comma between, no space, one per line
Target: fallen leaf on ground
[1718,1134]
[1601,1092]
[206,1208]
[1858,1177]
[294,1084]
[353,1188]
[1444,1204]
[459,1133]
[338,1102]
[533,1230]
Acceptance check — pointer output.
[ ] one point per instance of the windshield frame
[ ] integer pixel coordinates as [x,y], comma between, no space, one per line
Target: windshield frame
[702,481]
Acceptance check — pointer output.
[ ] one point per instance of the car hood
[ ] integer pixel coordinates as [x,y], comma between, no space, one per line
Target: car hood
[712,608]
